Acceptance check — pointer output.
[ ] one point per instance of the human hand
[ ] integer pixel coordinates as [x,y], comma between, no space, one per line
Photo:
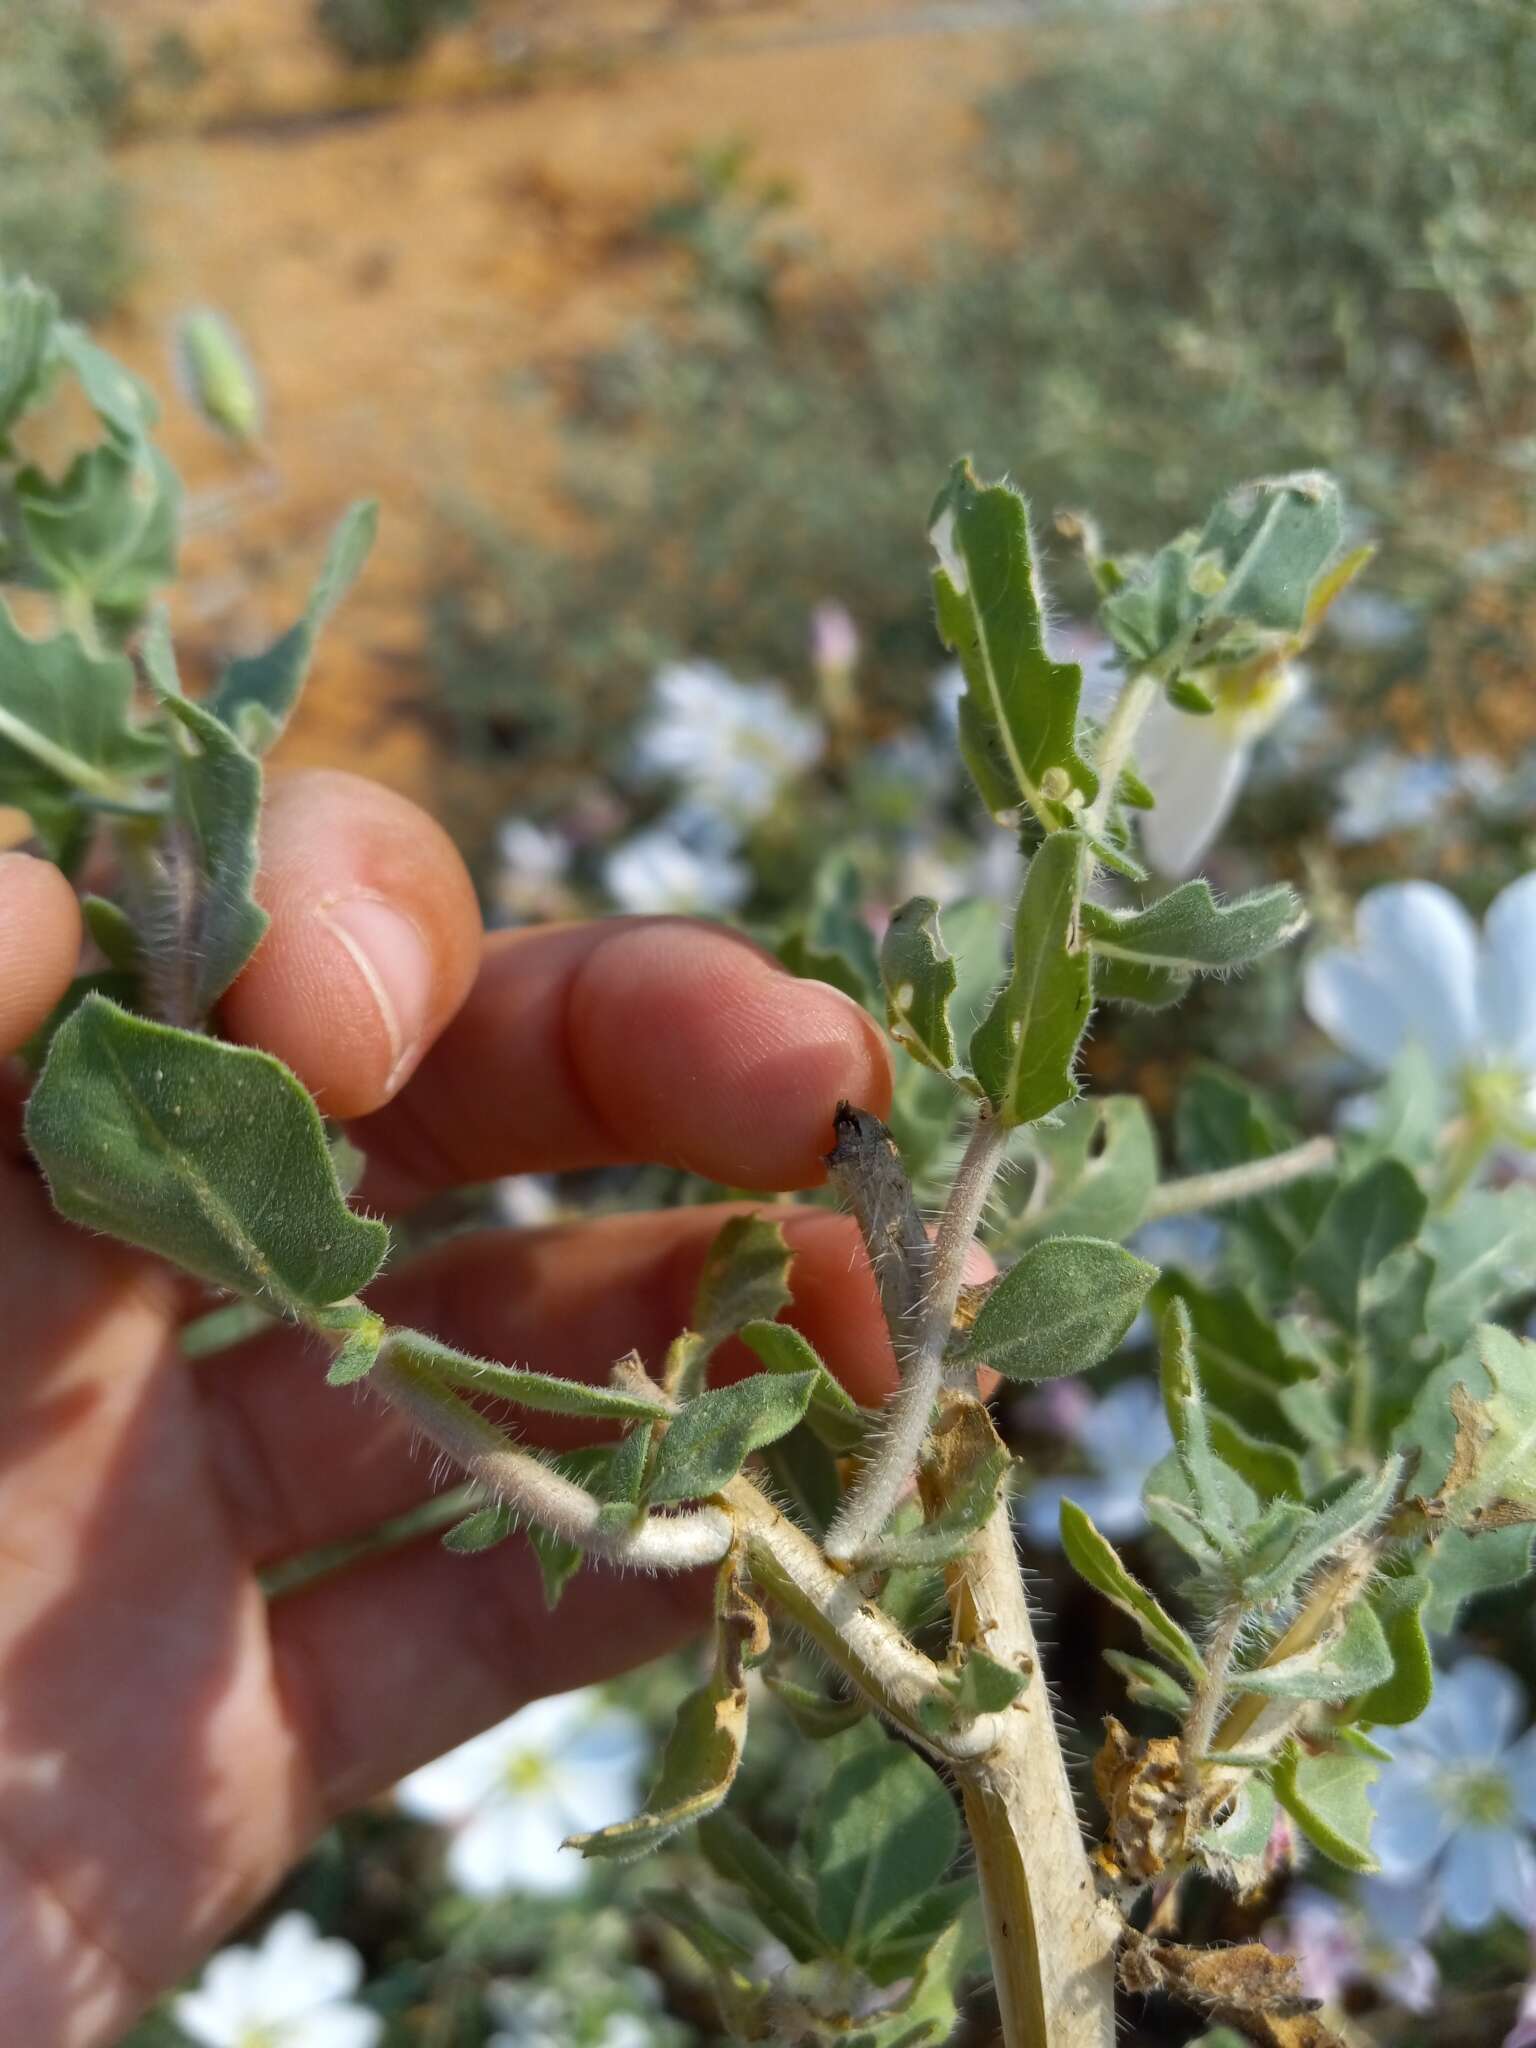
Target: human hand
[170,1740]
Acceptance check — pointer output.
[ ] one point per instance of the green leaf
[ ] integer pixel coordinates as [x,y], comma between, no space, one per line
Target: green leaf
[613,1474]
[1366,1220]
[544,1392]
[1098,1160]
[1272,539]
[123,403]
[1018,717]
[483,1530]
[1136,984]
[901,1952]
[1024,1050]
[1065,1306]
[1093,1558]
[358,1352]
[783,1903]
[256,694]
[1399,1604]
[211,1154]
[66,722]
[885,1832]
[745,1278]
[1352,1513]
[920,979]
[698,1768]
[832,1413]
[815,1714]
[1462,1567]
[1191,933]
[1329,1799]
[1221,1122]
[834,942]
[704,1447]
[1149,1685]
[1243,1366]
[211,852]
[1493,1472]
[1244,1835]
[972,1495]
[112,933]
[27,316]
[1352,1664]
[984,1686]
[1220,1500]
[1484,1253]
[107,530]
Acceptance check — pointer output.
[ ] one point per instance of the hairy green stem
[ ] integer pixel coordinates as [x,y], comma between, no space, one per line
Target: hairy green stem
[1210,1695]
[870,1501]
[1119,736]
[1238,1183]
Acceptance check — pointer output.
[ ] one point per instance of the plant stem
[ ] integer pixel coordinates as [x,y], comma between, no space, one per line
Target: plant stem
[1237,1183]
[1052,1937]
[1131,707]
[1200,1722]
[659,1543]
[869,1502]
[1255,1721]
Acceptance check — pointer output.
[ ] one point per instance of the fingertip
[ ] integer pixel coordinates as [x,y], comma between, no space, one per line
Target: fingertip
[705,1053]
[40,935]
[373,944]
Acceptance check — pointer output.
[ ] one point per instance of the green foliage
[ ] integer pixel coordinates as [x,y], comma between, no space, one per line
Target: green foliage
[1025,1049]
[1328,1797]
[1095,1166]
[1093,1557]
[174,1142]
[1063,1308]
[885,1833]
[920,979]
[704,1448]
[386,31]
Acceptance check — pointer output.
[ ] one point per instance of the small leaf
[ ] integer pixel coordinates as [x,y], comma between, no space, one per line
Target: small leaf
[211,1154]
[111,933]
[783,1903]
[834,942]
[885,1832]
[815,1714]
[603,1471]
[901,1953]
[832,1414]
[66,722]
[971,1499]
[698,1768]
[1244,1368]
[1353,1513]
[27,317]
[1353,1663]
[546,1393]
[355,1359]
[1018,717]
[1273,540]
[745,1278]
[1065,1306]
[483,1530]
[1220,1507]
[1098,1160]
[107,530]
[1024,1050]
[1136,984]
[256,693]
[1484,1252]
[1329,1799]
[920,981]
[211,852]
[1191,933]
[1093,1557]
[1149,1685]
[984,1686]
[1366,1220]
[1244,1835]
[705,1446]
[1399,1604]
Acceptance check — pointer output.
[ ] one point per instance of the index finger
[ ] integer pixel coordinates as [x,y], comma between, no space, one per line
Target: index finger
[632,1039]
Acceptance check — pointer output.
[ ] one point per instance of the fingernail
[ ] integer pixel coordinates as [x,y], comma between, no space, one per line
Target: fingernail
[392,957]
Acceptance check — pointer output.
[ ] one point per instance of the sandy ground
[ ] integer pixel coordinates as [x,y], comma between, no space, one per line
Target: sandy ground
[395,251]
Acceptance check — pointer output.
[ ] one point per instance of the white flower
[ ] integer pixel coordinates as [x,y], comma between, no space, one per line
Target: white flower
[1386,792]
[1336,1948]
[730,745]
[292,1991]
[1455,1807]
[529,854]
[684,863]
[526,1200]
[1194,764]
[834,639]
[1418,974]
[1122,1436]
[563,1766]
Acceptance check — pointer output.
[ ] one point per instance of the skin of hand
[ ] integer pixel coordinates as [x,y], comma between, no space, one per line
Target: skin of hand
[170,1739]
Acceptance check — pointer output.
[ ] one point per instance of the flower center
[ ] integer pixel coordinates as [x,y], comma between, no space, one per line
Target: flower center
[1480,1796]
[1495,1101]
[527,1772]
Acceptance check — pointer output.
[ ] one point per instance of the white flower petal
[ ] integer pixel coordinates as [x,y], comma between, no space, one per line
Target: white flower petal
[339,2026]
[299,1969]
[1347,998]
[1474,1875]
[206,2019]
[452,1786]
[1424,947]
[596,1798]
[1519,1767]
[1411,1823]
[1399,1913]
[1507,977]
[512,1847]
[1484,1703]
[1195,768]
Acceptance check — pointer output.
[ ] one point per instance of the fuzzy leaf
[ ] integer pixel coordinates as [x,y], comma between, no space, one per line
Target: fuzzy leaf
[884,1834]
[1018,717]
[1353,1512]
[834,942]
[355,1359]
[1190,932]
[483,1530]
[1492,1475]
[971,1495]
[1149,1685]
[1136,984]
[698,1768]
[216,791]
[179,1144]
[1366,1220]
[1243,1366]
[1024,1050]
[66,722]
[815,1714]
[1329,1799]
[256,693]
[745,1278]
[1093,1557]
[1244,1835]
[1354,1663]
[1099,1160]
[832,1414]
[783,1903]
[705,1446]
[920,980]
[1063,1308]
[1221,1122]
[1399,1604]
[27,316]
[107,530]
[1484,1253]
[546,1393]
